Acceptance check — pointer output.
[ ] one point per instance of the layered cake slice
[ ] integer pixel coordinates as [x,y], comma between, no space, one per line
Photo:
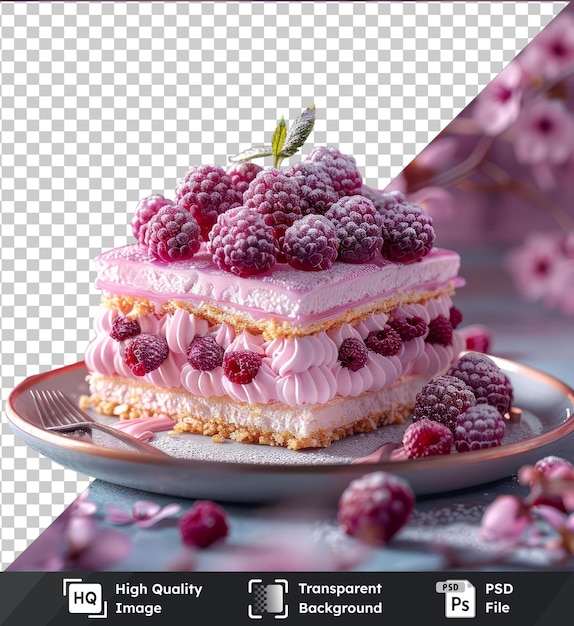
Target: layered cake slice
[288,307]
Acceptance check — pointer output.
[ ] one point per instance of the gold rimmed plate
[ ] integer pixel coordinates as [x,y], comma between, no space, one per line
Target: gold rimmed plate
[200,468]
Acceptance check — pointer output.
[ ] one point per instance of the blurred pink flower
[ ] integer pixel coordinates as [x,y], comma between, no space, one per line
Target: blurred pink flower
[505,519]
[532,264]
[90,548]
[497,107]
[544,133]
[560,290]
[552,51]
[144,513]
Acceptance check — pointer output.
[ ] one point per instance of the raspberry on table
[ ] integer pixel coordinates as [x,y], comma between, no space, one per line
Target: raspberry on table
[480,426]
[383,200]
[342,169]
[353,354]
[241,366]
[488,382]
[276,198]
[124,328]
[317,193]
[409,327]
[386,341]
[173,234]
[439,331]
[408,233]
[358,227]
[241,243]
[204,524]
[207,191]
[311,243]
[242,174]
[145,210]
[427,438]
[442,400]
[146,353]
[374,507]
[204,353]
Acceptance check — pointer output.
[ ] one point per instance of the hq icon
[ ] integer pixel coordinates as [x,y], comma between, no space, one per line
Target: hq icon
[85,598]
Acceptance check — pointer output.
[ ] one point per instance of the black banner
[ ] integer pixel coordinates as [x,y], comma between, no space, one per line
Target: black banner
[74,598]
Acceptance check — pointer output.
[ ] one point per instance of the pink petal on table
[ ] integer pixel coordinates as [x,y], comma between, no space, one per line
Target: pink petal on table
[552,515]
[167,511]
[143,509]
[115,515]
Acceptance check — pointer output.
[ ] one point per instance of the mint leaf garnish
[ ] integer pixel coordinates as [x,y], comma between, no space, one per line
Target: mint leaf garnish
[299,132]
[278,140]
[254,152]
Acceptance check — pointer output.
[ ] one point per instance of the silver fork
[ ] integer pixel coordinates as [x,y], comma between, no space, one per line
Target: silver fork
[58,413]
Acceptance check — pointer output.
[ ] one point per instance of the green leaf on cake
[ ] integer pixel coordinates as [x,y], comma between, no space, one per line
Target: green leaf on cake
[255,152]
[278,140]
[299,131]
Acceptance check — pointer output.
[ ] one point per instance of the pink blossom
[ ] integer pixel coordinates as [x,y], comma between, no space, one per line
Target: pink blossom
[560,289]
[505,519]
[91,548]
[144,513]
[552,51]
[544,133]
[497,107]
[532,264]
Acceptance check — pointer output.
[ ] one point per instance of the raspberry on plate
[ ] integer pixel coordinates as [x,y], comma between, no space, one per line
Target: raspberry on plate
[480,426]
[488,382]
[241,243]
[408,233]
[173,234]
[241,366]
[204,524]
[342,169]
[311,243]
[374,507]
[124,328]
[386,342]
[442,399]
[353,354]
[204,353]
[358,227]
[146,353]
[242,174]
[439,331]
[317,193]
[145,210]
[276,198]
[427,438]
[206,192]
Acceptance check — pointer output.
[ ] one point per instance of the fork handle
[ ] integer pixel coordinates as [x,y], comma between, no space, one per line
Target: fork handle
[139,445]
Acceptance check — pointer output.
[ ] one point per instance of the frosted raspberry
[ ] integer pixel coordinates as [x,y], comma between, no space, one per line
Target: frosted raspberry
[383,201]
[374,507]
[358,227]
[145,210]
[242,174]
[386,342]
[488,382]
[409,327]
[124,328]
[427,438]
[276,197]
[204,353]
[549,464]
[443,399]
[342,169]
[353,354]
[206,192]
[440,331]
[408,233]
[317,192]
[480,426]
[241,243]
[204,524]
[173,234]
[477,338]
[241,366]
[454,316]
[146,353]
[311,243]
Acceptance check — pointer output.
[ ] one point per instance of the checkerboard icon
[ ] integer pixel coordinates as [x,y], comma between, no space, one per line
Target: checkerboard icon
[268,598]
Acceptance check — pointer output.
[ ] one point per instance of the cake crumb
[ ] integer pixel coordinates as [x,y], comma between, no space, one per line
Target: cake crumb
[218,439]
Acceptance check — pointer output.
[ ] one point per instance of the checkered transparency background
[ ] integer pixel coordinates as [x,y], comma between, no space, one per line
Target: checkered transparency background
[105,103]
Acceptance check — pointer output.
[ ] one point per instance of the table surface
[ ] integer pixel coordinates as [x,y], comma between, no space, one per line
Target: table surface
[443,533]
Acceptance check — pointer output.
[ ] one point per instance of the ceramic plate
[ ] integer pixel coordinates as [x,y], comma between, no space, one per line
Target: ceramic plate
[196,467]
